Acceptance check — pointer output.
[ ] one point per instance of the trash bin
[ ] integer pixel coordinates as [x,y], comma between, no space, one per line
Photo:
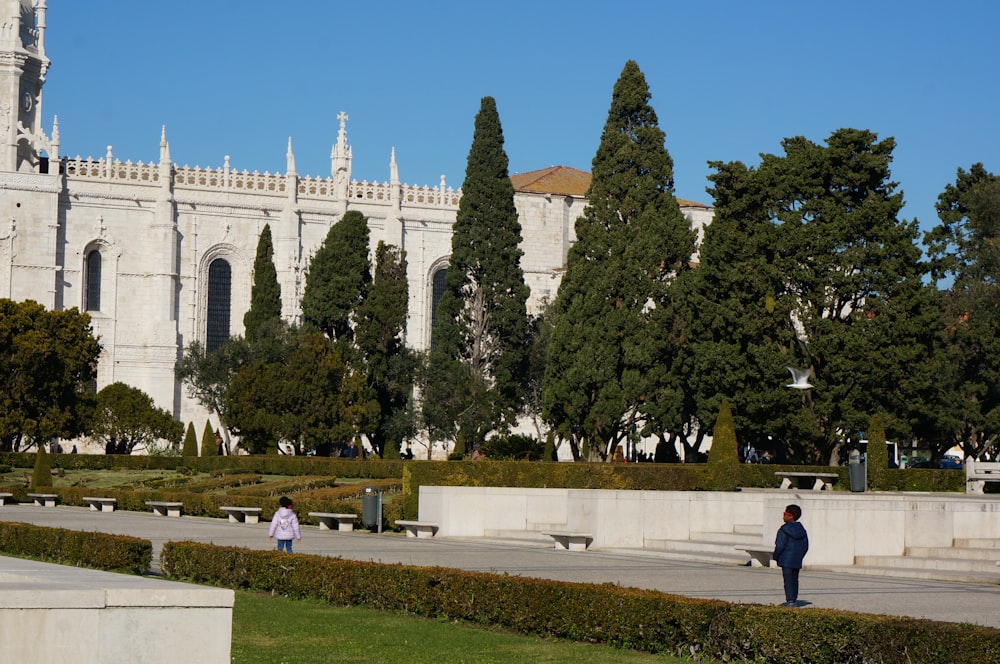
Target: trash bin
[371,508]
[857,468]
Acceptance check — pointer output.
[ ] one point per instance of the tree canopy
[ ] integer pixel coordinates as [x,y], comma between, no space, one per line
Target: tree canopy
[126,420]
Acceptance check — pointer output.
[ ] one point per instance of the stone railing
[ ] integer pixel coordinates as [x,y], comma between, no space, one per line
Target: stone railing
[225,179]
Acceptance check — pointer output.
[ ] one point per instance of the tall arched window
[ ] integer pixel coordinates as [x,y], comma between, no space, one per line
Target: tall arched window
[92,296]
[220,295]
[437,290]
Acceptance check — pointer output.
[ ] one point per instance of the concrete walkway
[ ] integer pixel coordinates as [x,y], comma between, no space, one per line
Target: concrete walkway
[936,600]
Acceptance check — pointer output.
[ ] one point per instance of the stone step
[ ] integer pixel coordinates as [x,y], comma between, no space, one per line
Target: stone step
[990,578]
[724,552]
[977,543]
[960,553]
[921,563]
[732,538]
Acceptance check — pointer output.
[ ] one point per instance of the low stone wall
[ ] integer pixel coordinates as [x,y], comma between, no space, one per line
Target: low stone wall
[841,524]
[55,613]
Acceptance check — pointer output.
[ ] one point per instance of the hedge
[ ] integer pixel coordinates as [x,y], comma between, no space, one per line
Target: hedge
[117,553]
[623,617]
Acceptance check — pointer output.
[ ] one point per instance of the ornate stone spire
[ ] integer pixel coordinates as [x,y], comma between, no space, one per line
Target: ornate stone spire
[393,168]
[164,146]
[290,159]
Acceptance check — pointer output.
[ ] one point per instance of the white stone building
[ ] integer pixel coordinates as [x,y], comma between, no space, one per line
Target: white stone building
[161,255]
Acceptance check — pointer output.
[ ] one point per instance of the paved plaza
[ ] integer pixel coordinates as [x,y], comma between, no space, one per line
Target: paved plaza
[936,600]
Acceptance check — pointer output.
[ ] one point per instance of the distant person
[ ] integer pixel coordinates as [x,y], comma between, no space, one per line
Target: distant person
[349,451]
[790,547]
[767,457]
[73,451]
[408,454]
[285,525]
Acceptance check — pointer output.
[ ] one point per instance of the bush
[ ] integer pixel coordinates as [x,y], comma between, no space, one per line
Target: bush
[117,553]
[41,477]
[622,617]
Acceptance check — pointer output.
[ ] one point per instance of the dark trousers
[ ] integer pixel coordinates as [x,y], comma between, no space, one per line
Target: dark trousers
[790,575]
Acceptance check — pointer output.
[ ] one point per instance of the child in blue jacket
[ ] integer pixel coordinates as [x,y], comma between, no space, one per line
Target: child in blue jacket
[790,547]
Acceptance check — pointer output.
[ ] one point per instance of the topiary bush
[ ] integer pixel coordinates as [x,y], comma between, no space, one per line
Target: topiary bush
[41,477]
[877,455]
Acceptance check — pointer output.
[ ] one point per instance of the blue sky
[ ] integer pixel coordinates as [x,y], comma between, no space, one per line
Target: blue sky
[729,80]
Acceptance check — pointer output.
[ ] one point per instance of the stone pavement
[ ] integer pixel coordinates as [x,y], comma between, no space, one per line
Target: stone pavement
[936,600]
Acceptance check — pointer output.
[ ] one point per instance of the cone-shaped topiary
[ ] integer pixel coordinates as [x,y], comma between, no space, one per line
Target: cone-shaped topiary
[208,445]
[41,477]
[878,456]
[723,457]
[190,448]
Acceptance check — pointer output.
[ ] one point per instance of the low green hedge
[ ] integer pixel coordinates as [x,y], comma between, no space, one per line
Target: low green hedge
[117,553]
[623,617]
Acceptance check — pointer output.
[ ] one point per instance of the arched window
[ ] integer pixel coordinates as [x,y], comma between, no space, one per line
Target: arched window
[437,290]
[220,295]
[92,296]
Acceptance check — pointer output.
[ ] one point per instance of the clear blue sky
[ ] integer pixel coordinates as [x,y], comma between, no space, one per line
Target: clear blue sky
[729,79]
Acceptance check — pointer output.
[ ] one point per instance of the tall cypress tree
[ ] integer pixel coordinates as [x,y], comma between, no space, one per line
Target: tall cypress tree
[338,278]
[614,307]
[481,320]
[265,297]
[208,445]
[190,448]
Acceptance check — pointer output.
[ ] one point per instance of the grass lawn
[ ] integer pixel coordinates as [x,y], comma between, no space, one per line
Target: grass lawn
[278,630]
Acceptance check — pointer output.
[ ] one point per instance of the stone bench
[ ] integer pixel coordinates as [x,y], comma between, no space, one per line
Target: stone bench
[98,504]
[570,541]
[44,499]
[758,553]
[243,514]
[7,499]
[328,521]
[162,508]
[418,528]
[978,473]
[819,481]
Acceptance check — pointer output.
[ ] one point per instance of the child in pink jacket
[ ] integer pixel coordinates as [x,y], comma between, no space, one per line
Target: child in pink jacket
[285,525]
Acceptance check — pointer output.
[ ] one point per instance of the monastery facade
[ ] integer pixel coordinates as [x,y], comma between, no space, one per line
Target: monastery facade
[161,255]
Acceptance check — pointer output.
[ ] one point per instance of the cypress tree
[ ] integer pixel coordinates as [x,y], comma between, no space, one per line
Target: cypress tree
[877,457]
[190,448]
[481,320]
[612,321]
[265,297]
[723,457]
[41,476]
[208,445]
[338,278]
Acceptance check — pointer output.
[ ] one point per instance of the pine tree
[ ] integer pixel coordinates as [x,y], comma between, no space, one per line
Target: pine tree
[338,278]
[190,448]
[482,320]
[209,447]
[41,476]
[388,363]
[265,297]
[612,320]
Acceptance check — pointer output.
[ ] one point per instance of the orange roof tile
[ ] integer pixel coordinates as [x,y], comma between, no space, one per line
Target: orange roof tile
[565,181]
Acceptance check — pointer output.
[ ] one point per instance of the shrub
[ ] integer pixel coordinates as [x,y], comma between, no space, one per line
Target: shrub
[118,553]
[190,448]
[41,477]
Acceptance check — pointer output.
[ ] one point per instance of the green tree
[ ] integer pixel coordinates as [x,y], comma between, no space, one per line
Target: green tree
[838,295]
[126,419]
[47,362]
[613,333]
[207,376]
[389,365]
[265,297]
[723,457]
[41,476]
[338,278]
[209,445]
[877,456]
[965,250]
[190,447]
[481,319]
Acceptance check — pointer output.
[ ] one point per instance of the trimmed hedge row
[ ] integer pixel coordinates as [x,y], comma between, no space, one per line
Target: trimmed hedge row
[116,553]
[622,617]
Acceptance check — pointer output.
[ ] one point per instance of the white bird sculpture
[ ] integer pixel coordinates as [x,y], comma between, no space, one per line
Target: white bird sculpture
[800,379]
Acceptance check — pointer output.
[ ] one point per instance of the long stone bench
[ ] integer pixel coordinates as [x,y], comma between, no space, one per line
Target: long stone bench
[329,521]
[978,473]
[243,514]
[418,528]
[570,541]
[165,508]
[44,499]
[760,554]
[7,499]
[98,504]
[819,481]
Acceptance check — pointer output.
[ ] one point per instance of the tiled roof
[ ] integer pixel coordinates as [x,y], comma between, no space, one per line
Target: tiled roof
[565,181]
